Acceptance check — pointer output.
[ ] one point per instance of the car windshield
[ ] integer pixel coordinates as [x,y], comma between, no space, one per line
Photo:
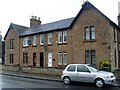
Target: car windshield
[92,68]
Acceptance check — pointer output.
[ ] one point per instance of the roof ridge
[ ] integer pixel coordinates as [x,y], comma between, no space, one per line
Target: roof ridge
[58,20]
[19,25]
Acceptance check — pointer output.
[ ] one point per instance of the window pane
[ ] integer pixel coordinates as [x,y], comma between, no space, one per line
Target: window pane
[87,57]
[50,38]
[65,58]
[92,32]
[71,68]
[25,41]
[41,39]
[65,36]
[82,68]
[93,57]
[87,33]
[60,37]
[11,43]
[34,40]
[60,58]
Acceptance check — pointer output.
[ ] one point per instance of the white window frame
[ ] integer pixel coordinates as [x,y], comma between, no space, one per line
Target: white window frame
[25,41]
[92,31]
[50,38]
[34,40]
[42,39]
[87,33]
[64,36]
[60,58]
[64,58]
[60,37]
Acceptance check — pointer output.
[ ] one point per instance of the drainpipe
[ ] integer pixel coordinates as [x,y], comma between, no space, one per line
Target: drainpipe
[45,48]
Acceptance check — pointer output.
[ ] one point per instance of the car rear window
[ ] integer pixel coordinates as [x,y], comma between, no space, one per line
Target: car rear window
[71,68]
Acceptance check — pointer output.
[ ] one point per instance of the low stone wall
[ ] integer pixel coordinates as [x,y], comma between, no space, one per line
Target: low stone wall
[10,68]
[34,70]
[46,71]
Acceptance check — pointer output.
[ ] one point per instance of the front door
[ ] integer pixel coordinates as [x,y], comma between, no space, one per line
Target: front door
[50,59]
[41,59]
[34,59]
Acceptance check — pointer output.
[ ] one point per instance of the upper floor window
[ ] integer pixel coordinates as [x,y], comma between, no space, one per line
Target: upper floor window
[62,37]
[25,41]
[90,33]
[87,33]
[41,39]
[50,38]
[11,43]
[34,40]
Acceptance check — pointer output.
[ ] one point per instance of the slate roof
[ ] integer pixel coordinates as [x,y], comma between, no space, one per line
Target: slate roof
[19,29]
[58,25]
[62,24]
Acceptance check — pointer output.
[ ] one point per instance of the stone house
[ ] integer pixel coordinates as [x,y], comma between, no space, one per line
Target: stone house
[90,37]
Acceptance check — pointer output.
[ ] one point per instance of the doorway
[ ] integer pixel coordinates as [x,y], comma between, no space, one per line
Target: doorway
[34,59]
[50,59]
[41,59]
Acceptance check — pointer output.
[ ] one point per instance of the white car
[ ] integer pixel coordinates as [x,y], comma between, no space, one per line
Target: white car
[87,73]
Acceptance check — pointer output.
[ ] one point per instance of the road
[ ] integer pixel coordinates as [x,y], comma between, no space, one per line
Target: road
[11,83]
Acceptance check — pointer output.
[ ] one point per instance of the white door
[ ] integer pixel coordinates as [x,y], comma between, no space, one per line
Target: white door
[50,59]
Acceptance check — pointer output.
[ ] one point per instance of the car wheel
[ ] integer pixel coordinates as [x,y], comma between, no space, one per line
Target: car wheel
[67,80]
[99,83]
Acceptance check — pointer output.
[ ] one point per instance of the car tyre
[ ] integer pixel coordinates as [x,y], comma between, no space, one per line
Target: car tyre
[99,83]
[66,80]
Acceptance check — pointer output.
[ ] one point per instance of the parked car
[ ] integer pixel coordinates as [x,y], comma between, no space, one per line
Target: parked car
[86,73]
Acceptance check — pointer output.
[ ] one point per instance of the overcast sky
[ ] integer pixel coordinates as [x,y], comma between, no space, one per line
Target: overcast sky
[20,11]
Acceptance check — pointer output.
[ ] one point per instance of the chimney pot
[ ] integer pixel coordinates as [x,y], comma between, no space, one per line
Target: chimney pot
[34,21]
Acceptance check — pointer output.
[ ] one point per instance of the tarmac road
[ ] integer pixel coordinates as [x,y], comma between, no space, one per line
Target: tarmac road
[16,83]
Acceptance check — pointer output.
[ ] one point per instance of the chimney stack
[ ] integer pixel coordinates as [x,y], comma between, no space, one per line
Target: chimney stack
[119,13]
[34,21]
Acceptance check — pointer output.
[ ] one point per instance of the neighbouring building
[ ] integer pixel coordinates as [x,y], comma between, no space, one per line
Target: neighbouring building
[0,47]
[3,52]
[90,37]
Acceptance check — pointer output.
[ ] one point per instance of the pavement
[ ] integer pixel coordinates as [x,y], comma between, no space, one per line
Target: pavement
[42,77]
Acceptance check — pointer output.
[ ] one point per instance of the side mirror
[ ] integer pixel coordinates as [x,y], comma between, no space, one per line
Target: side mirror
[89,71]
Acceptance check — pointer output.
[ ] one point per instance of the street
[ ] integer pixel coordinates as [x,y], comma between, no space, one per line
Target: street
[8,82]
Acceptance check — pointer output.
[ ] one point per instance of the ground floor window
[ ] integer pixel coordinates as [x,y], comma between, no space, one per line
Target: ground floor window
[62,57]
[90,57]
[11,58]
[25,57]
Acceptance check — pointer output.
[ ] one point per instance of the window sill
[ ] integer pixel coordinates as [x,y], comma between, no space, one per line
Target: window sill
[25,46]
[34,45]
[89,41]
[11,47]
[49,45]
[62,43]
